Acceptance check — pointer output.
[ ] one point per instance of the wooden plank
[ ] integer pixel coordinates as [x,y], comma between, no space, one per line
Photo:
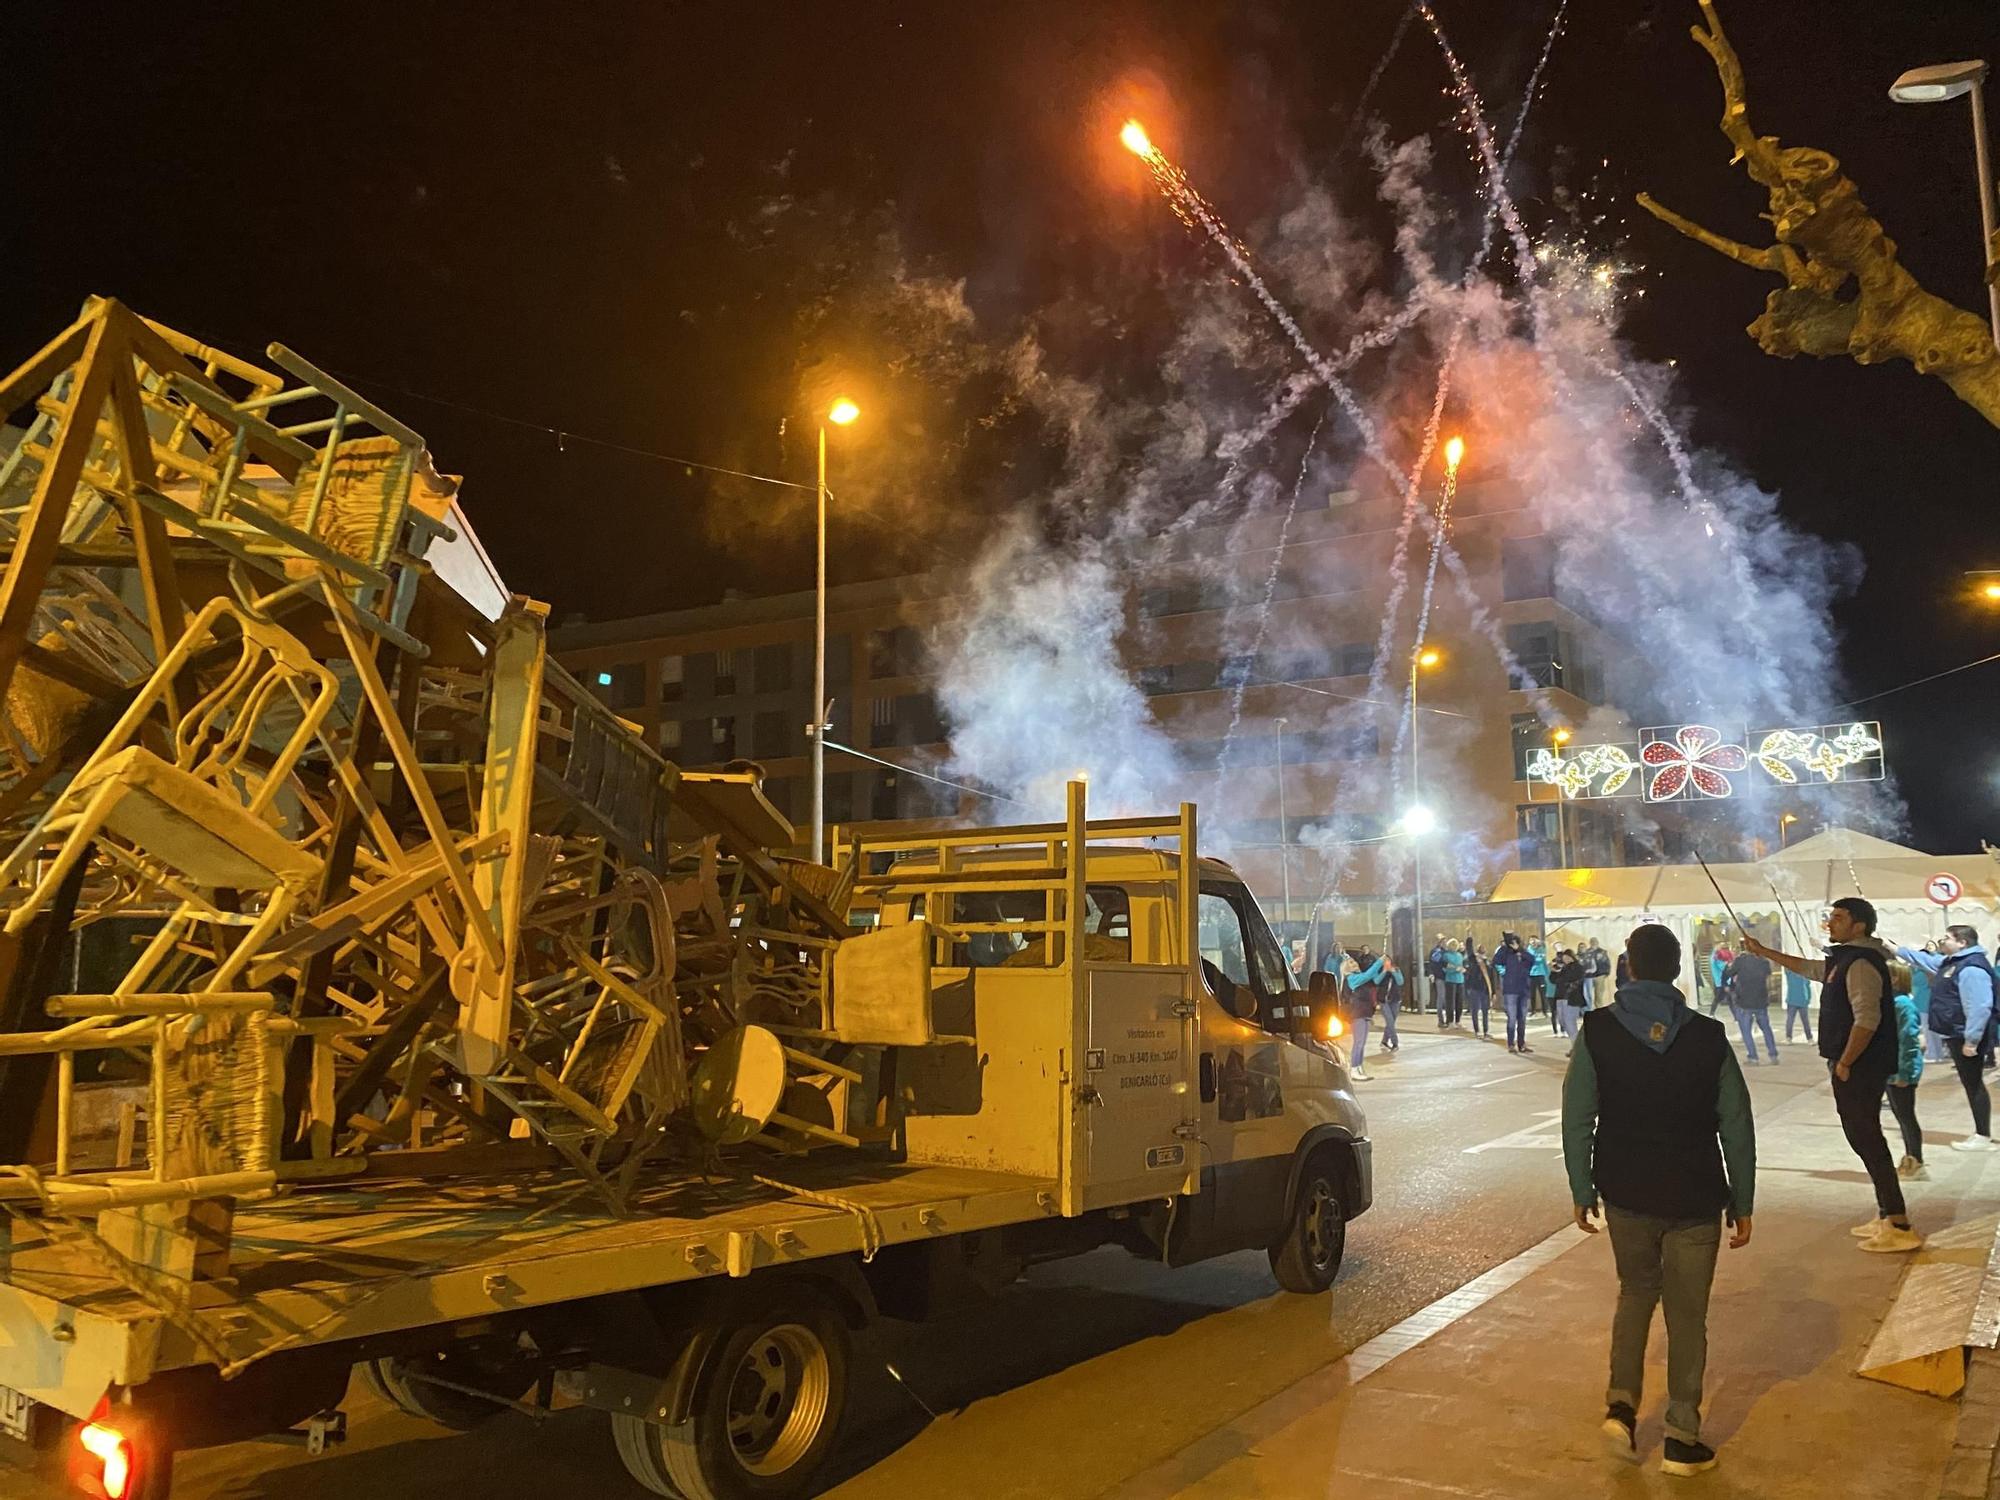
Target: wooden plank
[41,528]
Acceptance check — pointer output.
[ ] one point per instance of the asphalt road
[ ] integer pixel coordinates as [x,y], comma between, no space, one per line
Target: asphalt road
[1089,1371]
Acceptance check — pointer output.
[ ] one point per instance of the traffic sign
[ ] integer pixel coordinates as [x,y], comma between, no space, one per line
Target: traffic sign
[1943,888]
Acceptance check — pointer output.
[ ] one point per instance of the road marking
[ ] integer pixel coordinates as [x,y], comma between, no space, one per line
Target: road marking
[1505,1077]
[1544,1135]
[1225,1444]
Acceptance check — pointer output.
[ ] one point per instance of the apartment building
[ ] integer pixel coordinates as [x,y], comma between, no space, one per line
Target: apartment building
[1251,624]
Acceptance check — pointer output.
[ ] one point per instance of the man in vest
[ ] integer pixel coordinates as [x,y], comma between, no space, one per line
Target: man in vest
[1857,1037]
[1961,1011]
[1656,1121]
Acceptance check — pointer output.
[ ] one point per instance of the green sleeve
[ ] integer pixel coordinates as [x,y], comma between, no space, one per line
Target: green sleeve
[1580,1124]
[1738,1130]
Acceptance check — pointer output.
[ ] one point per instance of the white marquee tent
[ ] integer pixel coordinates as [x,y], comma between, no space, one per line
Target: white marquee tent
[1783,896]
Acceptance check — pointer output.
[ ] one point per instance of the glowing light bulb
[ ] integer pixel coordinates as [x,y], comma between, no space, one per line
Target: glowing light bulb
[1991,591]
[842,412]
[1419,821]
[1430,656]
[1561,736]
[1133,137]
[1454,452]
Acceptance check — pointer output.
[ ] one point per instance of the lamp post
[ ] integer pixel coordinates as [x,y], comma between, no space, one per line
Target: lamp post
[1785,827]
[840,414]
[1934,85]
[1559,737]
[1284,844]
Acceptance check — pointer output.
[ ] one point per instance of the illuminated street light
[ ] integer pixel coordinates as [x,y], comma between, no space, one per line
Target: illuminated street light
[1934,85]
[1991,591]
[1133,137]
[1561,736]
[1784,827]
[1418,821]
[1429,657]
[841,414]
[1454,453]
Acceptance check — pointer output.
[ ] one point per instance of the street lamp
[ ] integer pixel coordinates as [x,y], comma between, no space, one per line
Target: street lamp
[1784,827]
[841,413]
[1560,736]
[1934,85]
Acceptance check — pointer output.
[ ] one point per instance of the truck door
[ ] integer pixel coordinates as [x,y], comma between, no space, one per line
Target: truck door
[1139,1096]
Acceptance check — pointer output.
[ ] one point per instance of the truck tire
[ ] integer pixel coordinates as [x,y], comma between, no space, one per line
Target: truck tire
[399,1382]
[765,1410]
[1308,1258]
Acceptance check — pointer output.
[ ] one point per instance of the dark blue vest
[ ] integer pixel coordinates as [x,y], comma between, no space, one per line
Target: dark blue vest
[1656,1150]
[1947,1017]
[1836,1011]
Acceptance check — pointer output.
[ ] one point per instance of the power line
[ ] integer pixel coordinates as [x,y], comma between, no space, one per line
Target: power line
[1353,697]
[913,771]
[1904,687]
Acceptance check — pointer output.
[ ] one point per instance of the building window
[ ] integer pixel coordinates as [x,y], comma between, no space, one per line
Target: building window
[621,686]
[1528,567]
[722,738]
[1356,659]
[673,678]
[725,673]
[770,734]
[772,667]
[1153,681]
[1538,651]
[917,720]
[670,736]
[882,798]
[881,723]
[839,797]
[781,792]
[1529,736]
[1236,671]
[892,653]
[1535,828]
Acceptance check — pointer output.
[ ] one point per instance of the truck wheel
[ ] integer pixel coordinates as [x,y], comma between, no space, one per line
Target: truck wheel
[399,1382]
[765,1412]
[1308,1258]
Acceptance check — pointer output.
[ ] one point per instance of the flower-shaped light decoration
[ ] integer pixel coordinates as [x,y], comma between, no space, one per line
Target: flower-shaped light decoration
[1578,773]
[1695,755]
[1781,745]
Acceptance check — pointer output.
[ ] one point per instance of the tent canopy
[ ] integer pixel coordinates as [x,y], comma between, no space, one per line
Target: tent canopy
[1843,843]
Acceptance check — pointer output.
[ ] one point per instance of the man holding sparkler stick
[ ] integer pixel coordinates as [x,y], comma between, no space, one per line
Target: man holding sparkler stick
[1857,1037]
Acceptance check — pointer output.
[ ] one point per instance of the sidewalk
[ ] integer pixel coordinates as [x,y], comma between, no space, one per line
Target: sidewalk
[1498,1390]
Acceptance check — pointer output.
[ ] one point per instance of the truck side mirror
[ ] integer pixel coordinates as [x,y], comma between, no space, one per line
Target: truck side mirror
[1322,985]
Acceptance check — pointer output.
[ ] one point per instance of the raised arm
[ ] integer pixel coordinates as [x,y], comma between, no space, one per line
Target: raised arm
[1812,968]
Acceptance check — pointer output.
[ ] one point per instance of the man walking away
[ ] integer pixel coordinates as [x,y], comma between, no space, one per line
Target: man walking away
[1798,1004]
[1961,1012]
[1512,963]
[1656,1121]
[1857,1037]
[1749,981]
[1909,1073]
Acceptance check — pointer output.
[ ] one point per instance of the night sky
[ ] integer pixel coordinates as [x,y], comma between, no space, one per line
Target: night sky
[507,221]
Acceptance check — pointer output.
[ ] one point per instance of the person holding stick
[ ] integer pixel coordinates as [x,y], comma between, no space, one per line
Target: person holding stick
[1857,1037]
[1961,1011]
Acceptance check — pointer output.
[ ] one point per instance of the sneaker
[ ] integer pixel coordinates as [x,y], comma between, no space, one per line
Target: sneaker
[1686,1458]
[1526,1049]
[1360,1077]
[1618,1427]
[1911,1168]
[1749,1062]
[1889,1240]
[1512,1049]
[1974,1143]
[1869,1230]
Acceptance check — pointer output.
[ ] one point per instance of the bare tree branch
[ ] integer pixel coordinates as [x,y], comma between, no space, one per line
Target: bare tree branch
[1825,240]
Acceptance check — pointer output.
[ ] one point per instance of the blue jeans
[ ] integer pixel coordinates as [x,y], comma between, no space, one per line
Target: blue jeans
[1479,1007]
[1360,1043]
[1797,1013]
[1589,991]
[1748,1016]
[1567,1017]
[1389,1038]
[1517,1019]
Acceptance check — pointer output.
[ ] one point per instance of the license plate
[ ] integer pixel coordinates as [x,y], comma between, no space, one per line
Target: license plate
[17,1415]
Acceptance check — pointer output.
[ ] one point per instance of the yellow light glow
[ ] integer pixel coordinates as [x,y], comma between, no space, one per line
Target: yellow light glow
[1561,736]
[1134,139]
[1454,452]
[1335,1027]
[1788,819]
[108,1447]
[842,412]
[1991,591]
[1430,656]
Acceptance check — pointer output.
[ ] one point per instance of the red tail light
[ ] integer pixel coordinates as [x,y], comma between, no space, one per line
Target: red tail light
[111,1451]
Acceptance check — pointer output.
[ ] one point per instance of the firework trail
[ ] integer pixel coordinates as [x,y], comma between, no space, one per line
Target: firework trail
[1374,78]
[1242,684]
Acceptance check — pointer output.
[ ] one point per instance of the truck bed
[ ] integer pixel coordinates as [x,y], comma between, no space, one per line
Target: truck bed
[341,1263]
